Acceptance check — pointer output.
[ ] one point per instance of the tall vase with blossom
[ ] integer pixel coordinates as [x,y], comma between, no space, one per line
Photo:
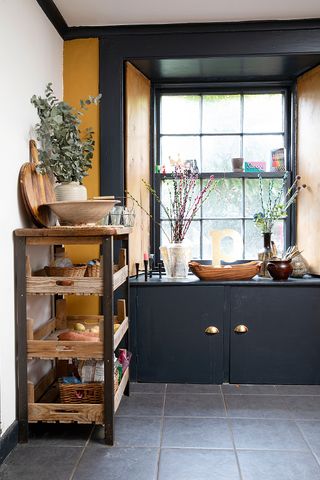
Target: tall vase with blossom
[183,205]
[273,208]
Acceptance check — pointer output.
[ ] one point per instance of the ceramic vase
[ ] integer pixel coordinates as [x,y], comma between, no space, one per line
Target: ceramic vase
[176,257]
[280,269]
[70,191]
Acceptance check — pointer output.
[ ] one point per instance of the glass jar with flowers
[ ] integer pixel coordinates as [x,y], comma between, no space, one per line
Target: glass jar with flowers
[274,207]
[184,199]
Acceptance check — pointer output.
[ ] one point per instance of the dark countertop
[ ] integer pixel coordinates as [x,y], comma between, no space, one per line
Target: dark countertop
[306,281]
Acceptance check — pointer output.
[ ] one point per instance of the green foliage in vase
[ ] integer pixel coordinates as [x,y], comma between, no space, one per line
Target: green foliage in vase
[65,152]
[277,203]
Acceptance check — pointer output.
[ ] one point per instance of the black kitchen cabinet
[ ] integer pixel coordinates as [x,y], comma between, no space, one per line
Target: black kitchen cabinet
[282,344]
[277,342]
[170,338]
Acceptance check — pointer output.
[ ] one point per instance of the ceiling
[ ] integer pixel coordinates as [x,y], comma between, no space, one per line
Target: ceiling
[137,12]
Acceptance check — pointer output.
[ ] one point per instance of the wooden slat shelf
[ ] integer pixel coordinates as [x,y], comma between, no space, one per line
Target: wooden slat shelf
[119,393]
[118,336]
[73,285]
[66,412]
[64,350]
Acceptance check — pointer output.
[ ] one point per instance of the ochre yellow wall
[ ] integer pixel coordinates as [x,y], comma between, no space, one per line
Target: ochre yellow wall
[81,79]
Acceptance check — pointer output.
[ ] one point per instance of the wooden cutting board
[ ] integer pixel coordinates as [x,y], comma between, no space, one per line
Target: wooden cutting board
[37,190]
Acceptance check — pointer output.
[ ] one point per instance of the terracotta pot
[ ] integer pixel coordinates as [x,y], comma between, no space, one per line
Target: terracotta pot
[280,269]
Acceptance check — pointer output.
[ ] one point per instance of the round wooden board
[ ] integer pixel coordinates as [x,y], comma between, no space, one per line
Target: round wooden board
[37,190]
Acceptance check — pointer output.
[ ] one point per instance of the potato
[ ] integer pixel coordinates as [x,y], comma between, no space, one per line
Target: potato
[79,327]
[94,329]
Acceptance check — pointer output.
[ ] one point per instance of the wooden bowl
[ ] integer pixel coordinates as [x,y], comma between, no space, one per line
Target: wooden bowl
[82,212]
[241,271]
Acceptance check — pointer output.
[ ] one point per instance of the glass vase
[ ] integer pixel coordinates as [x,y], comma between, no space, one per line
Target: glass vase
[176,257]
[265,254]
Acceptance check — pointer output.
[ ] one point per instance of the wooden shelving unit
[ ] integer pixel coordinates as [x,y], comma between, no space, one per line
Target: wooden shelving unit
[40,402]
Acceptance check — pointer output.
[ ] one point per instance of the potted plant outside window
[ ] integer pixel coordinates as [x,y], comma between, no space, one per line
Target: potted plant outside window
[65,152]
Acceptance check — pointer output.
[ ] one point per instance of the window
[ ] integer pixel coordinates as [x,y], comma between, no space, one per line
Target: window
[208,130]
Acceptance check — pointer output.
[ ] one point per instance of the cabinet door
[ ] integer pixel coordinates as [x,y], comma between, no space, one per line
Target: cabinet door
[282,344]
[170,332]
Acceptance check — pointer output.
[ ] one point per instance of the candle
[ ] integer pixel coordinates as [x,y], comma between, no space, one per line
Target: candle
[145,256]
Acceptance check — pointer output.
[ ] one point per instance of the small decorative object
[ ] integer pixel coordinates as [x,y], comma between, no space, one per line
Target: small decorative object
[299,264]
[255,166]
[237,164]
[275,208]
[65,152]
[277,160]
[128,217]
[184,203]
[280,269]
[241,271]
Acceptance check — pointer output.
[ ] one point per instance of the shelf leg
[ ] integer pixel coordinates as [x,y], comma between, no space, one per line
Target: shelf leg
[125,244]
[108,312]
[21,336]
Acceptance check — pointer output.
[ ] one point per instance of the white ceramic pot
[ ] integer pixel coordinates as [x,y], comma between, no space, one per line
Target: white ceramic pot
[176,257]
[66,192]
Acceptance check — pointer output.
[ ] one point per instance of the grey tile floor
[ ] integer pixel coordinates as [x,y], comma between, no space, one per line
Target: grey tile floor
[185,432]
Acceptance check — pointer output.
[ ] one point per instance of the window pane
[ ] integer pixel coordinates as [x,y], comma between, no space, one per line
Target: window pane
[217,152]
[227,243]
[193,236]
[167,198]
[177,150]
[257,148]
[254,239]
[221,113]
[252,194]
[180,114]
[263,113]
[226,200]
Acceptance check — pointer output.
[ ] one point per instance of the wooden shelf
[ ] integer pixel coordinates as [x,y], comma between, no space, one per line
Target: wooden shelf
[118,336]
[66,412]
[119,393]
[73,285]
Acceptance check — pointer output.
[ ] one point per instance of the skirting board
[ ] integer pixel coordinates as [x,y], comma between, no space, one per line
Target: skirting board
[8,441]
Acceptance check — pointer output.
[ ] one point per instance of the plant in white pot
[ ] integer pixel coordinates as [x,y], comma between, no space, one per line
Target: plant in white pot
[65,152]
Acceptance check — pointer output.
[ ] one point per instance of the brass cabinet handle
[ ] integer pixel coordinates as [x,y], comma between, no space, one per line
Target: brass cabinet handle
[241,329]
[211,330]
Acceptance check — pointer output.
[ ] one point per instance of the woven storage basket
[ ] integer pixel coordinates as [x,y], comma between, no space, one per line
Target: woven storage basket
[74,271]
[84,392]
[92,271]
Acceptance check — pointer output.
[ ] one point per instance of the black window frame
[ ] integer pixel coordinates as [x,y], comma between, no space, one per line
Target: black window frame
[289,144]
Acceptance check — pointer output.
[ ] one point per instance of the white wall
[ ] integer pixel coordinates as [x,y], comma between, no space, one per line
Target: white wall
[31,54]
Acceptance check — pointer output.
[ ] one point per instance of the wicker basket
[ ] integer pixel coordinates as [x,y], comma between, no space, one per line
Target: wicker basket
[241,271]
[74,271]
[91,392]
[92,271]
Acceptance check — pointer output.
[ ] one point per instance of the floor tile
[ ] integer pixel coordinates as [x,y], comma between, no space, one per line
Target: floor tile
[261,465]
[267,435]
[192,388]
[132,432]
[59,434]
[193,405]
[257,406]
[40,463]
[118,464]
[298,389]
[304,408]
[311,432]
[196,433]
[147,387]
[192,464]
[248,389]
[146,404]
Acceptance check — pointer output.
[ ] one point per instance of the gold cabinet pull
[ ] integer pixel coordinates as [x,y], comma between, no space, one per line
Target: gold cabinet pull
[211,330]
[241,329]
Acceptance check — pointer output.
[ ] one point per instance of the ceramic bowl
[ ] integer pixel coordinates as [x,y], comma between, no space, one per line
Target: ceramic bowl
[82,212]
